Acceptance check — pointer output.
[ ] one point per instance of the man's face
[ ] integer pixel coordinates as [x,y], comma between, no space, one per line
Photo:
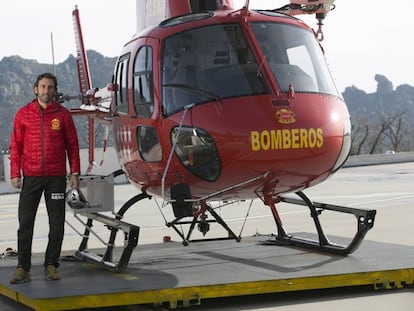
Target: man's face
[45,90]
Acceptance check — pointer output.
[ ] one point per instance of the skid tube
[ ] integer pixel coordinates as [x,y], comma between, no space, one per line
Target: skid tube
[365,221]
[100,197]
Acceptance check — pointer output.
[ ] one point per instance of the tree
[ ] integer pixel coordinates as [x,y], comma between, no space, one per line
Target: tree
[360,132]
[388,133]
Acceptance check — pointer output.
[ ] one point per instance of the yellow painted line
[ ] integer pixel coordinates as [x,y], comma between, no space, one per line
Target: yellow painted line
[173,296]
[123,276]
[126,277]
[5,291]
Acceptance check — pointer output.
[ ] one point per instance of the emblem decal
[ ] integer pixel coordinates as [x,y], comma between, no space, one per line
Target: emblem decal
[55,124]
[285,116]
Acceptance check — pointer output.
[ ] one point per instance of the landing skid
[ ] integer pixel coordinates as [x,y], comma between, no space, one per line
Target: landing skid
[365,221]
[131,234]
[99,190]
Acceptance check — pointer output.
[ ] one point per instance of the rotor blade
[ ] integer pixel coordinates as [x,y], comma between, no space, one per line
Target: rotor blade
[84,82]
[81,57]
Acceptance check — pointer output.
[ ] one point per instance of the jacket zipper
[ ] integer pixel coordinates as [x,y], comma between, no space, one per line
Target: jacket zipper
[42,137]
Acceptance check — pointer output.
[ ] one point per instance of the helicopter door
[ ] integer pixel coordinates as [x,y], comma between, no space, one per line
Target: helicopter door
[134,119]
[147,136]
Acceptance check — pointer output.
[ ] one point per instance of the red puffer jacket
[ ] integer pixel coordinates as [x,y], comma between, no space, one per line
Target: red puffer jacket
[41,139]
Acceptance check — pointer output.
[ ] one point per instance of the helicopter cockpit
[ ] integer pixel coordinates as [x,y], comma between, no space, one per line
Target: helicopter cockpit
[214,62]
[198,63]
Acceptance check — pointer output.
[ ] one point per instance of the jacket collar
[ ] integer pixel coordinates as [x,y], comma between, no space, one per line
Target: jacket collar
[52,106]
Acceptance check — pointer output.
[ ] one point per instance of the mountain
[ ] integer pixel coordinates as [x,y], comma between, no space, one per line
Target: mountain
[385,101]
[18,76]
[381,120]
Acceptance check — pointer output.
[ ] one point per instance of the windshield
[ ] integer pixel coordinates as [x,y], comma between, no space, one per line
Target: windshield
[207,63]
[294,57]
[214,62]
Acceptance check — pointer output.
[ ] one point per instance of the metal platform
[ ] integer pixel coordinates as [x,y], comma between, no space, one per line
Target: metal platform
[172,275]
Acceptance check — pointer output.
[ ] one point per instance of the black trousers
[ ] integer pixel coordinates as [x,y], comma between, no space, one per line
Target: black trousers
[53,188]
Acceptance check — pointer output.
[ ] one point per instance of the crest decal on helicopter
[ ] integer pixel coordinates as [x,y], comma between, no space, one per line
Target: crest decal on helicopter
[285,116]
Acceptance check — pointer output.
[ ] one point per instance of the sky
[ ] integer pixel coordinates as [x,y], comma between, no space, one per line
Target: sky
[362,38]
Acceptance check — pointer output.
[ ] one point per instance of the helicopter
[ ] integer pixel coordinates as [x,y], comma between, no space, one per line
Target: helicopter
[210,105]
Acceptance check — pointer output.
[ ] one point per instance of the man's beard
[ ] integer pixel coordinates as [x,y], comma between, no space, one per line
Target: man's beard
[45,98]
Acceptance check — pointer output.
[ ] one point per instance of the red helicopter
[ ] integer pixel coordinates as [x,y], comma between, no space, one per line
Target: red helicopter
[216,104]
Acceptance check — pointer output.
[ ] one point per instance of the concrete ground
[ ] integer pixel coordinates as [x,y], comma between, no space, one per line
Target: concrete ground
[386,188]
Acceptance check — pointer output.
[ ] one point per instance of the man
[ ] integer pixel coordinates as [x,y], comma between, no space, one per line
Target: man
[43,137]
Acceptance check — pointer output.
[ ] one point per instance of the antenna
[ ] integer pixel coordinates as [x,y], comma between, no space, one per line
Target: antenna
[59,97]
[53,54]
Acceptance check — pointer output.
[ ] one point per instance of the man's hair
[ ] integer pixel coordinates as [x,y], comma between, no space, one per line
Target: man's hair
[46,75]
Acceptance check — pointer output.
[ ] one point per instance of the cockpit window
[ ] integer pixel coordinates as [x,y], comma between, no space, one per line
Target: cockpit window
[295,58]
[205,64]
[185,19]
[143,85]
[122,82]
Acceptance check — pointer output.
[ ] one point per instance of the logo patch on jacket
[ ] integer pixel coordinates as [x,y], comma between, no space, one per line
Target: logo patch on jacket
[57,196]
[55,124]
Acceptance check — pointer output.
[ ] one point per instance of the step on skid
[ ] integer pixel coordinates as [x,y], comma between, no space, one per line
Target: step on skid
[99,191]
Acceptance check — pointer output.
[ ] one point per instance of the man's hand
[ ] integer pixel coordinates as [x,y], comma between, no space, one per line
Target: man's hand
[74,181]
[16,182]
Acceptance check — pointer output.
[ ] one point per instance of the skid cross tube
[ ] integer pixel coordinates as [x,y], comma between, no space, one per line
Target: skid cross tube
[196,220]
[365,220]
